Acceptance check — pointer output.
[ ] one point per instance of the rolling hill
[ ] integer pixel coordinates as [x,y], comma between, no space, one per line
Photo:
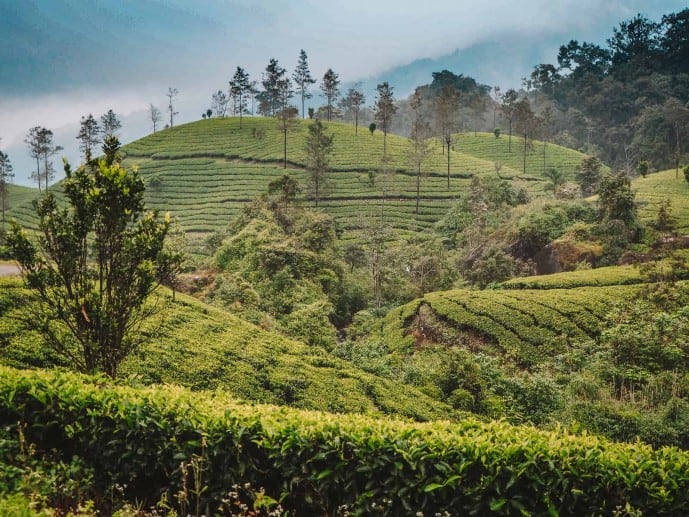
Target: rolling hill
[205,171]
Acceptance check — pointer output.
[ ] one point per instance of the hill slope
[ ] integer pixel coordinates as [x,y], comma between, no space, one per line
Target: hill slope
[201,347]
[204,172]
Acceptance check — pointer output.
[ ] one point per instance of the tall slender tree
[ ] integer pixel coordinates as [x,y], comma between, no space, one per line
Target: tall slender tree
[42,148]
[384,109]
[352,102]
[496,103]
[239,87]
[446,106]
[285,113]
[419,148]
[110,123]
[507,107]
[318,148]
[6,177]
[330,86]
[302,79]
[33,142]
[155,115]
[171,95]
[527,125]
[88,136]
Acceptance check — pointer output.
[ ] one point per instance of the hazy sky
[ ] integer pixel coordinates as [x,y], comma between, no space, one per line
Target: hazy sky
[61,59]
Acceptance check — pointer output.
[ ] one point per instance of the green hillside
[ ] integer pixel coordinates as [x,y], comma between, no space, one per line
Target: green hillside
[202,347]
[487,147]
[204,172]
[654,189]
[525,326]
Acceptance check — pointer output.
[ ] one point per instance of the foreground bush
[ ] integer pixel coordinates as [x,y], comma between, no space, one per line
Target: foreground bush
[316,462]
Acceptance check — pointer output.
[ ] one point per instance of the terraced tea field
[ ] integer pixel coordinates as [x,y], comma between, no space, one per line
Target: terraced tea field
[205,171]
[487,147]
[527,326]
[652,190]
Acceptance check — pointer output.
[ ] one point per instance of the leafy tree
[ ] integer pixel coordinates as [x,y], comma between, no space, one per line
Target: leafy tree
[331,90]
[89,136]
[588,174]
[352,102]
[219,102]
[93,266]
[110,123]
[302,78]
[384,109]
[111,150]
[643,167]
[286,113]
[6,177]
[372,127]
[493,266]
[171,95]
[556,177]
[155,115]
[319,145]
[674,43]
[239,88]
[508,107]
[545,77]
[269,99]
[635,43]
[665,222]
[616,200]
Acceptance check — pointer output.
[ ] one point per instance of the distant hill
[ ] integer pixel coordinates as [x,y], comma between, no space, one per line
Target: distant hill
[204,172]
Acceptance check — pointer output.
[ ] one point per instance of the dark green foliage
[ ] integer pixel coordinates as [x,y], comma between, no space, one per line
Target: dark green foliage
[316,463]
[616,201]
[620,94]
[540,228]
[493,266]
[589,175]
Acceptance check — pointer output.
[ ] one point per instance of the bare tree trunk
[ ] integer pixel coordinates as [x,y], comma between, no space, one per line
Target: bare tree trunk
[285,149]
[448,169]
[525,136]
[418,187]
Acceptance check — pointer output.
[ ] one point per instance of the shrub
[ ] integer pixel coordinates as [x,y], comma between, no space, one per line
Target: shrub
[319,462]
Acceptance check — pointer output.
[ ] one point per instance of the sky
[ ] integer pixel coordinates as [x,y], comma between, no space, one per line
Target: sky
[61,59]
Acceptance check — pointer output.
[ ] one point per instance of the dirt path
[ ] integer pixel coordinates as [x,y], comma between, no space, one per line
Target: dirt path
[8,269]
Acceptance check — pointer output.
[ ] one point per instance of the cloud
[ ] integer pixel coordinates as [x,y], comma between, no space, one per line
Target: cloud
[68,58]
